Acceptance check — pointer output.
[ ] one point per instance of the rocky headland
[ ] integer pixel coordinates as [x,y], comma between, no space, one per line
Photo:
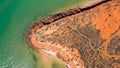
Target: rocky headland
[81,37]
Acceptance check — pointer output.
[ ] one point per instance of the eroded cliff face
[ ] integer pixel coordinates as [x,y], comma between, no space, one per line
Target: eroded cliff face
[89,39]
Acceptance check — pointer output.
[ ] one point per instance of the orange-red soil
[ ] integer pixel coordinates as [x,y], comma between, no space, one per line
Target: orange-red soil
[89,39]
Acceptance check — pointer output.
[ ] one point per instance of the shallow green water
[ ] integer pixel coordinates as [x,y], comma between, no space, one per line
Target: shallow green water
[15,18]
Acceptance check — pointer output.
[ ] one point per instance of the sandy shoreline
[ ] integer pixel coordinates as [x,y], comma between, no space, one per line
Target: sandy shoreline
[63,53]
[42,31]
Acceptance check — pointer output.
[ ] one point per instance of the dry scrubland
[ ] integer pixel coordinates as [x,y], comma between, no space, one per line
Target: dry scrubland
[89,39]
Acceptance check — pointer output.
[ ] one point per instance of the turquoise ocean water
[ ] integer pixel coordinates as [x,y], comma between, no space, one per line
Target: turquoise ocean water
[16,16]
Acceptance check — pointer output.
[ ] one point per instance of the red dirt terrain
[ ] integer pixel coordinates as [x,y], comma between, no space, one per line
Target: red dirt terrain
[88,39]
